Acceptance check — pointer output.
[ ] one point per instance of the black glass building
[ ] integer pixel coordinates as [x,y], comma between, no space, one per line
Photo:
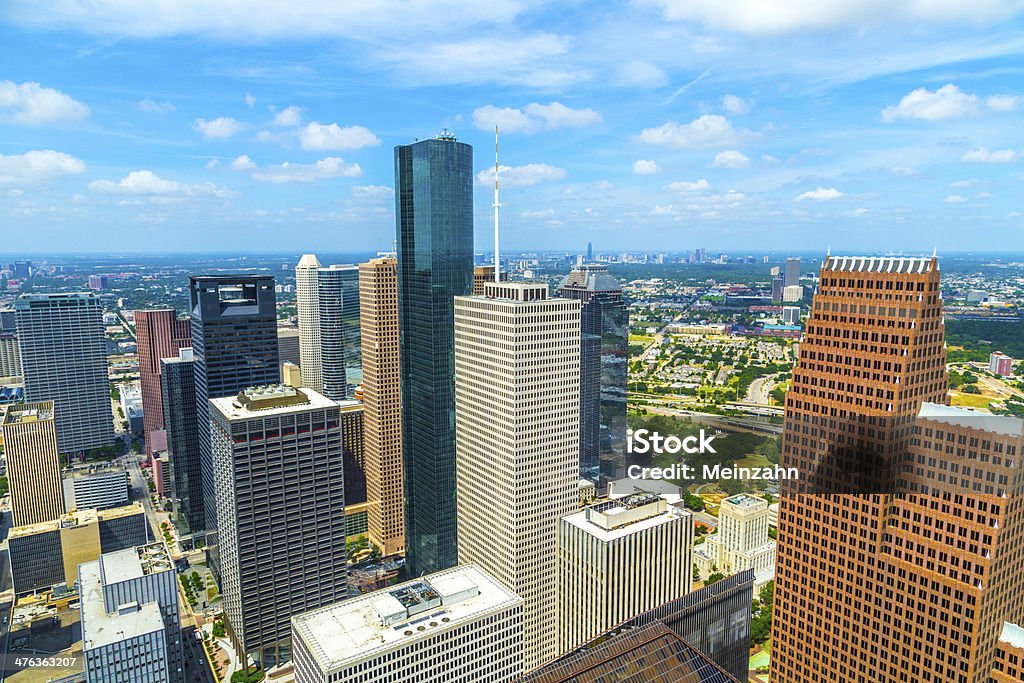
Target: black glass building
[434,217]
[341,352]
[234,346]
[604,359]
[178,387]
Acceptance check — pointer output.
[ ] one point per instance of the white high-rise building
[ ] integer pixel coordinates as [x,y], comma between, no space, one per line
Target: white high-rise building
[617,559]
[455,625]
[307,305]
[517,396]
[741,541]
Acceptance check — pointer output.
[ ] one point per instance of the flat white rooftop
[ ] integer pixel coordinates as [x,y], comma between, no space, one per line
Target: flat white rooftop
[101,628]
[233,409]
[579,520]
[1012,634]
[963,417]
[133,563]
[356,629]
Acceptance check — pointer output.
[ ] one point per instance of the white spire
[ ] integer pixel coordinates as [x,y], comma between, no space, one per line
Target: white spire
[497,204]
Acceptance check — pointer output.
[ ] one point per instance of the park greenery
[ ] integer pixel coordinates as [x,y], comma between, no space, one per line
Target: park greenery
[761,625]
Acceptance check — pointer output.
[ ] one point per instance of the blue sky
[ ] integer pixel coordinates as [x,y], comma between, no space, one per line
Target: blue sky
[247,125]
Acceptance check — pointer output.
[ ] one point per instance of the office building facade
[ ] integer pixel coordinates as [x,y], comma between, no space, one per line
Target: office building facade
[279,475]
[604,360]
[341,368]
[740,542]
[63,355]
[434,220]
[618,559]
[382,403]
[160,334]
[457,625]
[234,346]
[791,274]
[307,309]
[10,356]
[517,370]
[288,345]
[1009,664]
[33,464]
[97,487]
[178,388]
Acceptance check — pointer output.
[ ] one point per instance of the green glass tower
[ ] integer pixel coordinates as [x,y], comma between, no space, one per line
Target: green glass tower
[434,221]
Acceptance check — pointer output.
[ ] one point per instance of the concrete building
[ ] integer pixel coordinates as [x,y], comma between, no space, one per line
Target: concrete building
[291,375]
[354,452]
[288,345]
[618,559]
[1009,664]
[178,387]
[48,553]
[307,307]
[131,406]
[484,274]
[99,282]
[97,486]
[741,541]
[279,474]
[790,315]
[160,334]
[456,625]
[792,272]
[62,344]
[778,285]
[10,356]
[792,294]
[517,370]
[382,403]
[341,369]
[33,465]
[1000,364]
[434,236]
[131,627]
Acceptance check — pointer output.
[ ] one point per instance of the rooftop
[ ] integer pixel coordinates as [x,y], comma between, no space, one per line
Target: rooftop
[963,417]
[308,261]
[275,399]
[745,501]
[609,520]
[356,629]
[593,277]
[21,413]
[880,264]
[516,291]
[101,628]
[1013,635]
[132,563]
[70,520]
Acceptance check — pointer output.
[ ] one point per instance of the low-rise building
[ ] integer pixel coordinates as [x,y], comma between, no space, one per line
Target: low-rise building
[741,541]
[95,486]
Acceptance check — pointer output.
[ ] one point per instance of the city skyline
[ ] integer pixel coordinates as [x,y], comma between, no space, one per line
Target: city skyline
[650,125]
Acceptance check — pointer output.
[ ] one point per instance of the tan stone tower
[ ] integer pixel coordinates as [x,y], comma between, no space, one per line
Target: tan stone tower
[33,465]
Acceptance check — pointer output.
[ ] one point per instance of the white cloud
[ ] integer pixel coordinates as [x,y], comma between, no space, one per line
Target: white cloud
[37,166]
[317,136]
[984,156]
[153,107]
[982,195]
[645,167]
[955,199]
[664,210]
[540,213]
[374,192]
[856,213]
[735,105]
[687,186]
[533,117]
[770,160]
[31,103]
[820,194]
[731,159]
[641,74]
[221,127]
[522,176]
[1004,102]
[250,101]
[243,163]
[964,183]
[328,167]
[710,130]
[288,117]
[768,17]
[146,182]
[904,171]
[945,103]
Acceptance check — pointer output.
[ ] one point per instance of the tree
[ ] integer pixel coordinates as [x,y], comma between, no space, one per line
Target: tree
[694,502]
[714,578]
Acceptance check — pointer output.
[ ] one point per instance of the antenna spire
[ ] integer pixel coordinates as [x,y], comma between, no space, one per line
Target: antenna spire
[497,204]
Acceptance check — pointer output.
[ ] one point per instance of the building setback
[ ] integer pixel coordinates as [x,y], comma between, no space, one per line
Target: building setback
[517,365]
[178,386]
[456,625]
[160,333]
[279,475]
[618,559]
[434,221]
[33,465]
[382,403]
[63,355]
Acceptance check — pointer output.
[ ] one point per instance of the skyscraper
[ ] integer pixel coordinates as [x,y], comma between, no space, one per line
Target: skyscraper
[281,506]
[434,219]
[604,359]
[178,387]
[898,550]
[160,333]
[618,559]
[63,354]
[590,251]
[33,465]
[791,275]
[10,357]
[341,369]
[288,345]
[517,369]
[382,403]
[234,346]
[307,308]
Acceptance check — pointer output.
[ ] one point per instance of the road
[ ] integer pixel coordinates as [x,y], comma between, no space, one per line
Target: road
[759,389]
[743,424]
[140,492]
[197,670]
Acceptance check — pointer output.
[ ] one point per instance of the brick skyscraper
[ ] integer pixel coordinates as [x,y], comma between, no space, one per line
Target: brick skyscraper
[895,559]
[160,334]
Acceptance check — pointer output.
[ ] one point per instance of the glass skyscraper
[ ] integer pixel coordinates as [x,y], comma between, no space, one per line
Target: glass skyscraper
[434,216]
[340,348]
[178,388]
[603,372]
